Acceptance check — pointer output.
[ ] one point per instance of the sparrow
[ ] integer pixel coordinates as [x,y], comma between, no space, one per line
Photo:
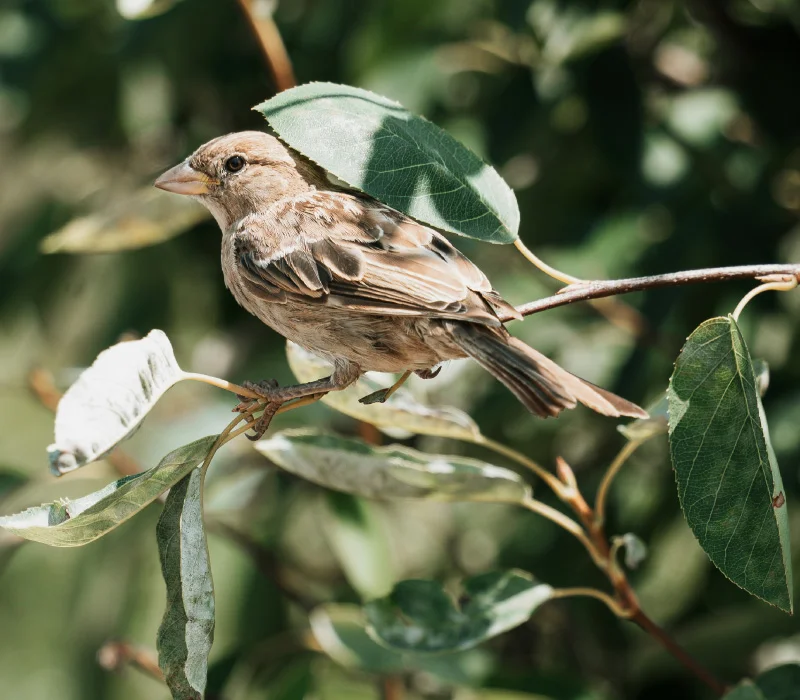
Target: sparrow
[357,282]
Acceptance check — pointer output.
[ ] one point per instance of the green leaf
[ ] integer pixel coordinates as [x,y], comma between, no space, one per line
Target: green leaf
[780,683]
[75,523]
[357,537]
[144,218]
[340,631]
[405,161]
[395,471]
[729,484]
[187,630]
[420,617]
[110,399]
[400,415]
[746,690]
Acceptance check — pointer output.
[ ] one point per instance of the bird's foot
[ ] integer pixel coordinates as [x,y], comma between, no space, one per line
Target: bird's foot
[268,391]
[428,373]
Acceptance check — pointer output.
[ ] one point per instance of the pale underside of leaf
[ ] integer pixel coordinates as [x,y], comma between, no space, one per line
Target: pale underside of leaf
[390,472]
[187,630]
[83,520]
[110,399]
[401,415]
[728,480]
[405,161]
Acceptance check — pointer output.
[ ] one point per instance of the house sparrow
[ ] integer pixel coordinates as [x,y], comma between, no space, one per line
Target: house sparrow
[357,282]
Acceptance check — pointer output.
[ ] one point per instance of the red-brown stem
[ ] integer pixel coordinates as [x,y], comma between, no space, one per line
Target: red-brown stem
[269,38]
[392,688]
[584,291]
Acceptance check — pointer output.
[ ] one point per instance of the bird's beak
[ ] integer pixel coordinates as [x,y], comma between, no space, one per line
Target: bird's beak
[184,179]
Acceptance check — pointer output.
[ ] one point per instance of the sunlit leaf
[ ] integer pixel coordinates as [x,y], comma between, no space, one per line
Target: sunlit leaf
[187,630]
[145,218]
[402,412]
[78,522]
[110,399]
[395,471]
[729,484]
[374,144]
[421,617]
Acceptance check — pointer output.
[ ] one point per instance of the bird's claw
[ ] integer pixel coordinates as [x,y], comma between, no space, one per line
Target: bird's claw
[262,424]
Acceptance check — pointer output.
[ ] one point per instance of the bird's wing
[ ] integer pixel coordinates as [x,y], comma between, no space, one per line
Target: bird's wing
[352,252]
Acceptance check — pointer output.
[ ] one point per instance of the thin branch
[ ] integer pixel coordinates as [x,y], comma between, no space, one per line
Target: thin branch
[114,655]
[584,291]
[259,16]
[612,604]
[526,462]
[602,493]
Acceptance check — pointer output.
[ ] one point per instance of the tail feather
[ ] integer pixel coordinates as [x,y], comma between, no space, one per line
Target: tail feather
[543,387]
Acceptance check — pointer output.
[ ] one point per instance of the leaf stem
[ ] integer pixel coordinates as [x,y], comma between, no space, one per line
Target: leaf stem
[221,384]
[269,38]
[550,479]
[602,493]
[612,604]
[584,291]
[536,261]
[786,284]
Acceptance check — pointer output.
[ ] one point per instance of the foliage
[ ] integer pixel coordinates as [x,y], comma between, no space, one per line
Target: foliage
[631,151]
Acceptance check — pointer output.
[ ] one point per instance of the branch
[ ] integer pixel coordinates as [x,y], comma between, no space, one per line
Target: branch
[269,38]
[584,291]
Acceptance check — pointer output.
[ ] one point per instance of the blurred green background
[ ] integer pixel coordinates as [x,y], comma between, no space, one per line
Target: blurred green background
[641,137]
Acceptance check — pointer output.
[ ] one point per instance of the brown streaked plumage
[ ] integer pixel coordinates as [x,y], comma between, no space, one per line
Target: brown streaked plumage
[357,282]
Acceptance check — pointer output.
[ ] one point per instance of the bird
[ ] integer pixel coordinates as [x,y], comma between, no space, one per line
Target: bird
[359,283]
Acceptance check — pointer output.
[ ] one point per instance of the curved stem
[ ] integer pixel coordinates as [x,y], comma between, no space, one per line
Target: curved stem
[550,479]
[613,469]
[569,525]
[221,384]
[783,285]
[583,291]
[536,261]
[612,604]
[269,38]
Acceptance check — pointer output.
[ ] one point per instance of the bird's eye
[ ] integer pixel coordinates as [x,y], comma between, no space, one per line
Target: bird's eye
[234,164]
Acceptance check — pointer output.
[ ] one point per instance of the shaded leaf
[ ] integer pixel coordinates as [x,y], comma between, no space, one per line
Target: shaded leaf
[645,428]
[374,144]
[357,538]
[780,683]
[729,484]
[340,631]
[147,217]
[187,630]
[402,412]
[78,522]
[395,471]
[110,399]
[746,690]
[420,617]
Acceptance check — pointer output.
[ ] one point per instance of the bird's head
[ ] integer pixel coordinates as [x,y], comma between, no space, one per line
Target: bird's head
[239,174]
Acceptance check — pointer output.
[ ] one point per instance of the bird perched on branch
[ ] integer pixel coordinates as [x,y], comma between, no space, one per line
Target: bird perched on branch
[357,282]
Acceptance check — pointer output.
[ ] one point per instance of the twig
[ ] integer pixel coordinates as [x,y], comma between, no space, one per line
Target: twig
[612,604]
[584,291]
[269,38]
[777,283]
[602,493]
[526,462]
[391,688]
[113,655]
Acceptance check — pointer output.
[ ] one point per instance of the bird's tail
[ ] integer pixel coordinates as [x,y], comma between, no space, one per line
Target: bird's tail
[543,387]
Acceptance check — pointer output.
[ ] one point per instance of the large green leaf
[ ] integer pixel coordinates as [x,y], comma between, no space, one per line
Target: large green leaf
[400,415]
[729,484]
[75,523]
[375,145]
[187,630]
[110,399]
[354,467]
[420,617]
